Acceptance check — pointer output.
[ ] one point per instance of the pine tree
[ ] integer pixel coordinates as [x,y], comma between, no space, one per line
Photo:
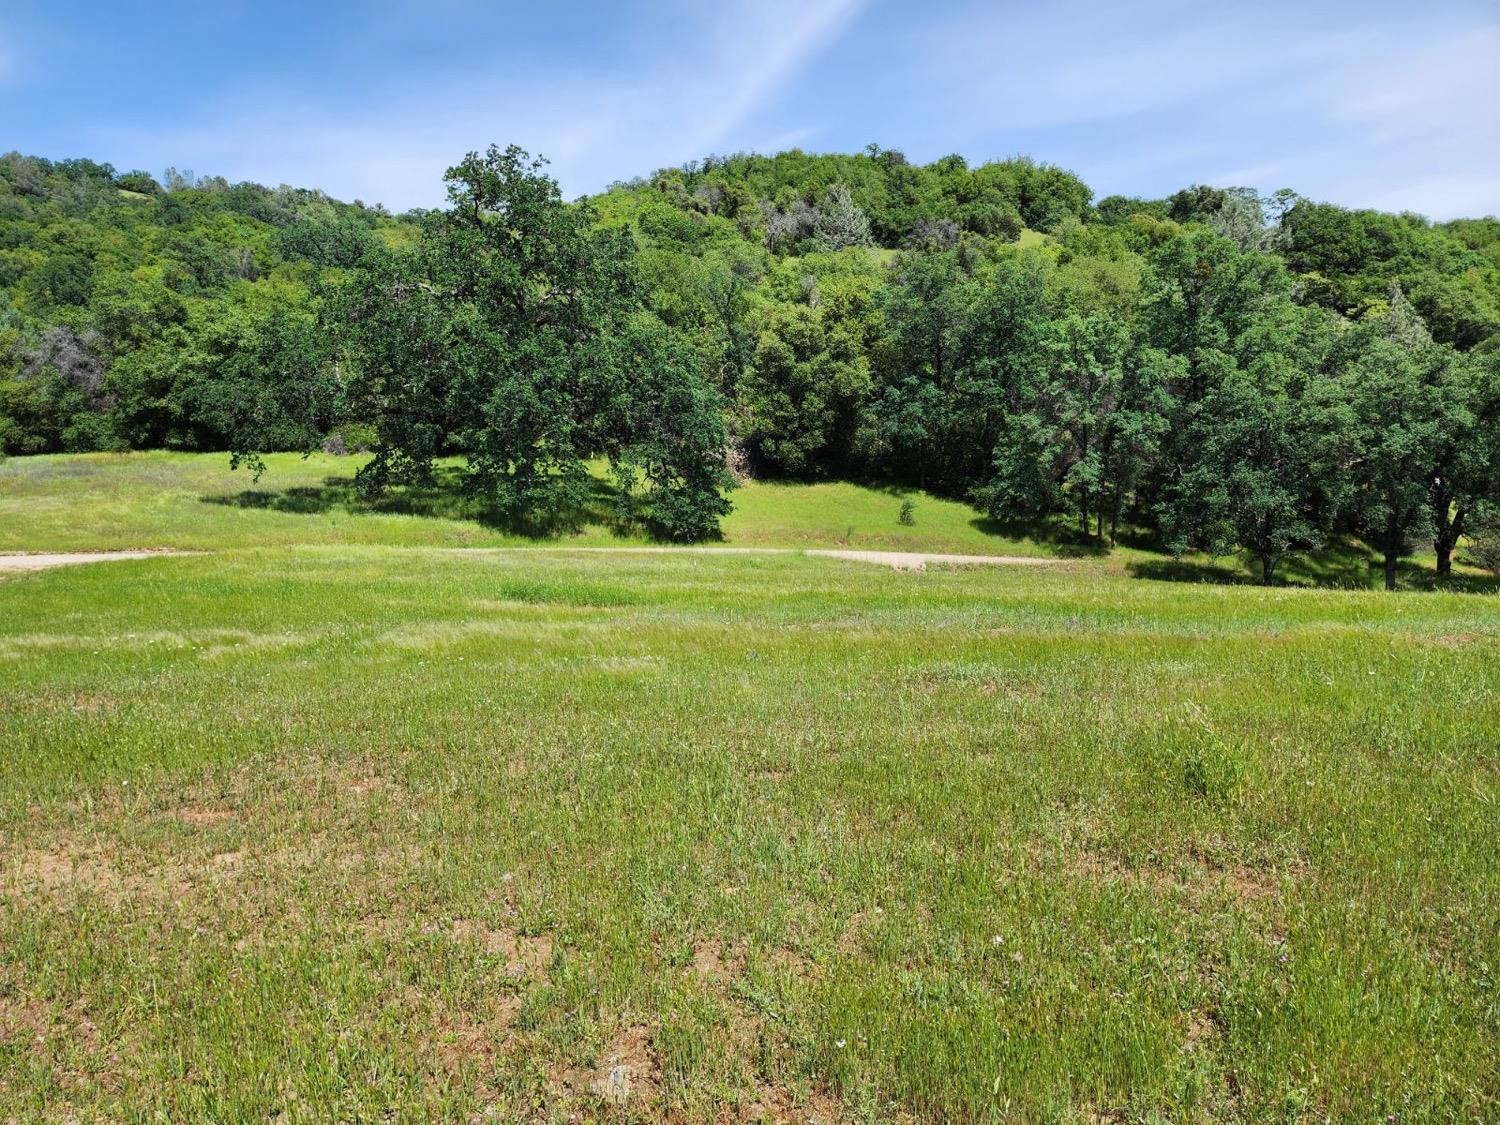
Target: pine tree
[840,221]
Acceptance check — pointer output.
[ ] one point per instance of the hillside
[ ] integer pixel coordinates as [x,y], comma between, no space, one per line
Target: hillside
[990,334]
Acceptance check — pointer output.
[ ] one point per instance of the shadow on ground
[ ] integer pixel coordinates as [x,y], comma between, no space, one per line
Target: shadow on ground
[444,496]
[1343,565]
[1066,542]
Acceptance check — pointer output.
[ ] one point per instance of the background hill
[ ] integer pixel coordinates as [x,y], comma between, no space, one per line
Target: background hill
[122,297]
[993,334]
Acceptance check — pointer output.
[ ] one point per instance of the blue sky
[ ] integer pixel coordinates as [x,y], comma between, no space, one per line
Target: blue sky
[1368,103]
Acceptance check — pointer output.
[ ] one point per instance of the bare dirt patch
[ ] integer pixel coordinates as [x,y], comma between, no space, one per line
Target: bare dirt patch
[709,962]
[780,1105]
[856,932]
[525,955]
[203,817]
[1197,878]
[629,1072]
[464,1040]
[791,962]
[23,1020]
[1203,1028]
[64,867]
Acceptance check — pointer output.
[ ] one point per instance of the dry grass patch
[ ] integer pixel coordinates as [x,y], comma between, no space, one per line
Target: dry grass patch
[64,866]
[525,955]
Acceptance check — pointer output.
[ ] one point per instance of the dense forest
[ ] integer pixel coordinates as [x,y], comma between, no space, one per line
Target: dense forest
[1225,371]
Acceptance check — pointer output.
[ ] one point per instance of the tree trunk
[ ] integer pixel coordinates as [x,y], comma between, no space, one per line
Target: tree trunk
[1449,532]
[1267,569]
[1448,522]
[1390,569]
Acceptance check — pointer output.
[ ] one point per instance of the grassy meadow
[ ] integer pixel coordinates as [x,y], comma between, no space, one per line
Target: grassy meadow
[332,822]
[105,501]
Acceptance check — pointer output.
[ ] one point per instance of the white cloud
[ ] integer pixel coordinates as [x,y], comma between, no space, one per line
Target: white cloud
[593,128]
[1379,106]
[1394,108]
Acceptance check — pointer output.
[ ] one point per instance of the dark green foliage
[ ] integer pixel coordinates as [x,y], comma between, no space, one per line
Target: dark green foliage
[1484,539]
[802,392]
[1405,394]
[513,333]
[1085,429]
[1348,260]
[961,340]
[1272,438]
[1225,371]
[167,289]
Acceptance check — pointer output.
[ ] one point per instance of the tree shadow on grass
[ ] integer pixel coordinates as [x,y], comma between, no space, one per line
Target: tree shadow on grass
[1186,570]
[1066,542]
[1417,577]
[443,496]
[1344,564]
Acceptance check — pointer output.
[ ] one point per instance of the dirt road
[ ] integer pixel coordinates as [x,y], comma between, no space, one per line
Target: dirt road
[896,560]
[44,562]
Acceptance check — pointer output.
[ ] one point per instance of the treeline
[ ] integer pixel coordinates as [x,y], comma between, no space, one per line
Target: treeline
[124,302]
[1226,370]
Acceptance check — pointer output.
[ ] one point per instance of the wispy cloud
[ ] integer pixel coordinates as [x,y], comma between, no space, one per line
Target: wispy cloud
[594,128]
[1377,105]
[1363,102]
[781,38]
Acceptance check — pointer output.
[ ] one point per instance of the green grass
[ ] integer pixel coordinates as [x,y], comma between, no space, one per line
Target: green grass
[100,502]
[143,500]
[329,829]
